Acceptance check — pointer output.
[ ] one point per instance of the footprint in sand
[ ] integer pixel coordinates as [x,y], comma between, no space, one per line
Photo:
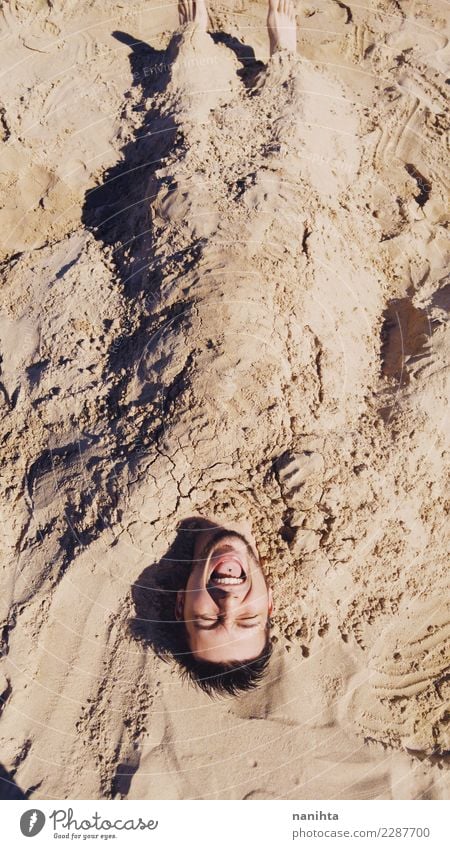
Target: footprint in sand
[300,478]
[402,697]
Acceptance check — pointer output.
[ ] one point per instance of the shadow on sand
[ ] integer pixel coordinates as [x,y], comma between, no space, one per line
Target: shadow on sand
[154,594]
[9,790]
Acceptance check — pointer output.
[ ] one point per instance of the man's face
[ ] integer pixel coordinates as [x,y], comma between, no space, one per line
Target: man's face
[226,602]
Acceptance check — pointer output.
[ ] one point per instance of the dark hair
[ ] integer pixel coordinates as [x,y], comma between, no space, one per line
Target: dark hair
[219,678]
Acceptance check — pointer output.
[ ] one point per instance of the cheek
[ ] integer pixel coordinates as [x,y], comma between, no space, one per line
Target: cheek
[198,603]
[258,596]
[260,606]
[198,642]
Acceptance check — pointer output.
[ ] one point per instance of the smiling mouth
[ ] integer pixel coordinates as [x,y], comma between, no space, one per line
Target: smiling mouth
[220,575]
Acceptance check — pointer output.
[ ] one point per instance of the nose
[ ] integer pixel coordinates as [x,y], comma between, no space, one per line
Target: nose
[225,599]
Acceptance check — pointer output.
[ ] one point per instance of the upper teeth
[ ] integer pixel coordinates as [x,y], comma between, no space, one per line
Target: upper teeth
[227,580]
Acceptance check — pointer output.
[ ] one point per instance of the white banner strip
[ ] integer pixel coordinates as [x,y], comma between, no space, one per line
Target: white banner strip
[225,824]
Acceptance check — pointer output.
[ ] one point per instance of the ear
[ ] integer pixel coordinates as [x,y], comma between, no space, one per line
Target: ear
[179,605]
[270,597]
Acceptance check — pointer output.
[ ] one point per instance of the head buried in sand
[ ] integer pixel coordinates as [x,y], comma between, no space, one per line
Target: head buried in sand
[225,610]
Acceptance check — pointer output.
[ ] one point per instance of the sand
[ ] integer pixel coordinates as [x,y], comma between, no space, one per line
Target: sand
[224,293]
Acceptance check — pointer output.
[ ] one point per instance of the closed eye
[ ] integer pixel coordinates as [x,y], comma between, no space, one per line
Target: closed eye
[206,627]
[249,625]
[203,623]
[248,622]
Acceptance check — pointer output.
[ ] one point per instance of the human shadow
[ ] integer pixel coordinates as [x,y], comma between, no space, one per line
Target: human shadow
[117,211]
[251,67]
[9,790]
[154,594]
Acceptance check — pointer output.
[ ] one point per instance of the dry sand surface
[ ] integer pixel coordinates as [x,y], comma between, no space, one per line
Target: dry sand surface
[224,293]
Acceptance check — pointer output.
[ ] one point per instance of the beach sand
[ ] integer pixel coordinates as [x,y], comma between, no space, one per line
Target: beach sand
[224,293]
